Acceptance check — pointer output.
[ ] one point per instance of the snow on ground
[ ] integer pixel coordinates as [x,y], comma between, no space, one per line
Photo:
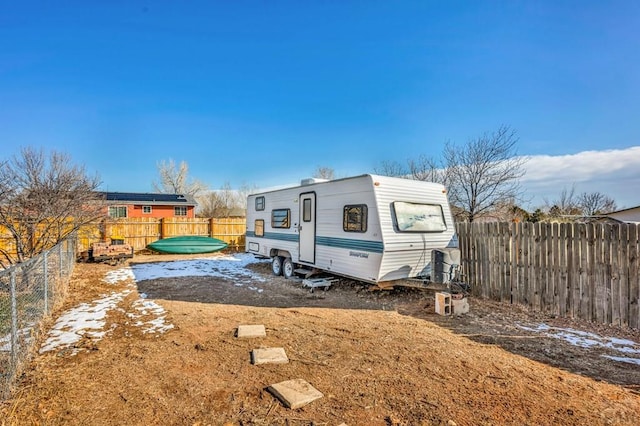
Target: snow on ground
[143,309]
[24,336]
[589,340]
[123,274]
[88,320]
[221,265]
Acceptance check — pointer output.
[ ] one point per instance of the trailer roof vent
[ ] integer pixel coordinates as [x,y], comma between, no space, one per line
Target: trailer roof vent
[311,181]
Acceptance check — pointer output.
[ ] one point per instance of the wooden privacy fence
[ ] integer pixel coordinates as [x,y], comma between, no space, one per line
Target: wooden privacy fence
[141,231]
[586,271]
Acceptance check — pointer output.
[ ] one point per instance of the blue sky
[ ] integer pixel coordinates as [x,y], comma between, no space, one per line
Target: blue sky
[263,92]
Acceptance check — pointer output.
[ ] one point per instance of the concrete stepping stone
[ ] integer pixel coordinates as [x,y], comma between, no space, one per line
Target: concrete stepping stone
[269,356]
[295,393]
[249,331]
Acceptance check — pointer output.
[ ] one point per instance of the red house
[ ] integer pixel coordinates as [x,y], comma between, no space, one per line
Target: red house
[132,204]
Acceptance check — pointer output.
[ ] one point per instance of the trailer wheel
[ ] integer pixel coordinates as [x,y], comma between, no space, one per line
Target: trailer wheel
[287,268]
[276,265]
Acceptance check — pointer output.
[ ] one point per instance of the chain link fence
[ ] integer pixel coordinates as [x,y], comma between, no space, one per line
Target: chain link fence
[28,293]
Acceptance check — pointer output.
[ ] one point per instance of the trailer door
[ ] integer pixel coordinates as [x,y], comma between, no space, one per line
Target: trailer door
[307,227]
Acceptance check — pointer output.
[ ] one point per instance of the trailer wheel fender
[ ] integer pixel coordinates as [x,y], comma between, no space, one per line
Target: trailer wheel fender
[276,265]
[287,268]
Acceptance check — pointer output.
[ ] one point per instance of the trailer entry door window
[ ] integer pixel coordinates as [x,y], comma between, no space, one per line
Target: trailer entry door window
[259,228]
[259,203]
[411,217]
[280,218]
[354,218]
[306,210]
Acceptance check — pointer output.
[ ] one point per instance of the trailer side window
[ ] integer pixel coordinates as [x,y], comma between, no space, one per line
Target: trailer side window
[354,218]
[259,228]
[259,203]
[412,217]
[280,218]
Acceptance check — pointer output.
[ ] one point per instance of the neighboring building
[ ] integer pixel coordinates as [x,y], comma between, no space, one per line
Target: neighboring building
[630,215]
[131,204]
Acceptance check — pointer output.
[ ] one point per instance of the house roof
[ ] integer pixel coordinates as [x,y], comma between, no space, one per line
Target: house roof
[624,210]
[149,198]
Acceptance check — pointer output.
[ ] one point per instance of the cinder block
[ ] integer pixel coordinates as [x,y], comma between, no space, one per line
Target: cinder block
[443,303]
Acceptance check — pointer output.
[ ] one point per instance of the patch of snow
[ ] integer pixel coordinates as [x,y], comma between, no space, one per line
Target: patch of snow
[24,338]
[85,320]
[635,361]
[219,265]
[157,325]
[122,274]
[585,339]
[89,319]
[148,307]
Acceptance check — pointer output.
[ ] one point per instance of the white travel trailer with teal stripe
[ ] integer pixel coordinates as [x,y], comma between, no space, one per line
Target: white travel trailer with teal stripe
[372,228]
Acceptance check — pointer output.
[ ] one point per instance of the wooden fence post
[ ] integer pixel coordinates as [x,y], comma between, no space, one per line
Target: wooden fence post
[163,228]
[562,283]
[212,227]
[634,287]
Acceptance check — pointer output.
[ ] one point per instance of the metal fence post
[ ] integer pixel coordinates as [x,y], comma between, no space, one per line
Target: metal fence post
[60,269]
[46,282]
[14,320]
[28,315]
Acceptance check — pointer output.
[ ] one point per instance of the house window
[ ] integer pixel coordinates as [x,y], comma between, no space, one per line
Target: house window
[280,218]
[354,218]
[180,210]
[411,217]
[146,209]
[116,212]
[259,203]
[259,228]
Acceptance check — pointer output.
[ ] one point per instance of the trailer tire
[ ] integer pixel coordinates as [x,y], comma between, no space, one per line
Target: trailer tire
[276,265]
[287,268]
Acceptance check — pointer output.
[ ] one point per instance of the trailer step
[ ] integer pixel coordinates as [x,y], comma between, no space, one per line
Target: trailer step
[306,273]
[319,282]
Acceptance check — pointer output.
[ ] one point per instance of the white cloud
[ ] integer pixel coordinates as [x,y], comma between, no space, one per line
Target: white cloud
[614,172]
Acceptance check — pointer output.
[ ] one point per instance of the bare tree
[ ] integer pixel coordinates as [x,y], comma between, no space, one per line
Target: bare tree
[244,192]
[484,172]
[595,203]
[44,199]
[323,172]
[392,168]
[175,180]
[427,169]
[565,205]
[220,203]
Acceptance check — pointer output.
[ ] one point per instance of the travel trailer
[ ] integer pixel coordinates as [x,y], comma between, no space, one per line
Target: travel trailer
[376,229]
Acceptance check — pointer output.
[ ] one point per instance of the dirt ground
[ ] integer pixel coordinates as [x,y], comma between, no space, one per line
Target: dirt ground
[379,358]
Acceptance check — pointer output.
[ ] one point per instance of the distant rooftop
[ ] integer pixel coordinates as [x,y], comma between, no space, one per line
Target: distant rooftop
[149,198]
